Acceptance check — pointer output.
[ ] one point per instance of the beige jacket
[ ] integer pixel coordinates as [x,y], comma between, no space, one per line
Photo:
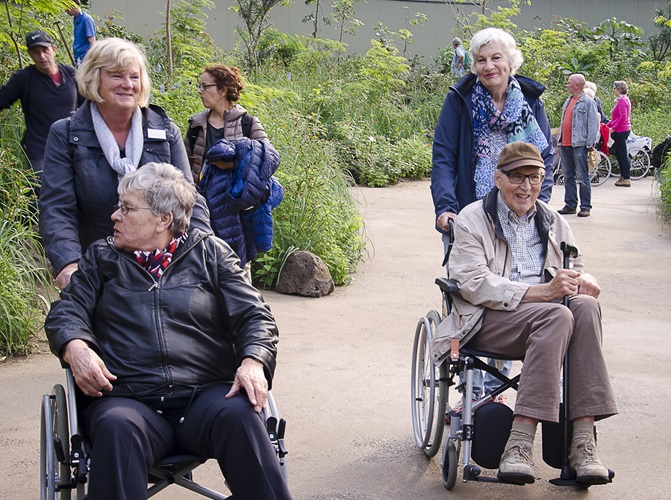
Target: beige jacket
[480,264]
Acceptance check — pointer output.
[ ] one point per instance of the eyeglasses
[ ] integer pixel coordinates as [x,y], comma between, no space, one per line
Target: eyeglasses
[125,209]
[515,178]
[202,87]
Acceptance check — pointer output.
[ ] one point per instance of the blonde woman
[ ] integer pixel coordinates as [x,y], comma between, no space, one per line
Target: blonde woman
[114,132]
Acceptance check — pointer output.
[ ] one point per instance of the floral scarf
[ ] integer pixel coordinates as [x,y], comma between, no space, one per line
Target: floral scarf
[493,129]
[156,261]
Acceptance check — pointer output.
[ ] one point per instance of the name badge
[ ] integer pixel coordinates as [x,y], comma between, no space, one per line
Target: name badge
[155,133]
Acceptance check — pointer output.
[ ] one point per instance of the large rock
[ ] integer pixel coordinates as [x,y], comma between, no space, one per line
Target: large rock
[305,274]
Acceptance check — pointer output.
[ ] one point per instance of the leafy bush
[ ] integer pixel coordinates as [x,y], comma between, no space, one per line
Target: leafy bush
[22,268]
[318,213]
[664,179]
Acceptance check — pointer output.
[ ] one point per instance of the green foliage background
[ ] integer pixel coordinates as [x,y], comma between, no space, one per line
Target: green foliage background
[337,119]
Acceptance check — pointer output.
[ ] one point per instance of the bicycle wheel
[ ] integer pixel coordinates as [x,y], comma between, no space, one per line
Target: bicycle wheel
[428,392]
[640,164]
[602,170]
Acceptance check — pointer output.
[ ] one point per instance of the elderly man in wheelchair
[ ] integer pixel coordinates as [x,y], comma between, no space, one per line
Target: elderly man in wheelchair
[172,350]
[507,263]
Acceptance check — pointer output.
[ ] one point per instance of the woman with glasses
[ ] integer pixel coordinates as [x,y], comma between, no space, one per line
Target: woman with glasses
[219,89]
[173,350]
[114,132]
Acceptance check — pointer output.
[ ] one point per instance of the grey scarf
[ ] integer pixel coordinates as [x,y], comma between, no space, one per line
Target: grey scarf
[134,142]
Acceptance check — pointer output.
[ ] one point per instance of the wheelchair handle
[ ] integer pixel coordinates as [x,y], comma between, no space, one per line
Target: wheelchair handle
[450,236]
[568,251]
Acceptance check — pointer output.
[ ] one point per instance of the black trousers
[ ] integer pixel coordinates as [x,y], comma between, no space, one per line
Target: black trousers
[128,437]
[620,147]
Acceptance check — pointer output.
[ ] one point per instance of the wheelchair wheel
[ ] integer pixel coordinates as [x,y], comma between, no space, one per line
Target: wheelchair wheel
[450,464]
[54,446]
[640,164]
[602,170]
[428,391]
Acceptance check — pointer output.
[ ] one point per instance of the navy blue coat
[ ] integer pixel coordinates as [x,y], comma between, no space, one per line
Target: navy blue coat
[240,199]
[452,176]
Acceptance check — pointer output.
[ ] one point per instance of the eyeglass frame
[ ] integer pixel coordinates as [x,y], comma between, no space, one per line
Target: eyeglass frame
[202,87]
[524,177]
[125,209]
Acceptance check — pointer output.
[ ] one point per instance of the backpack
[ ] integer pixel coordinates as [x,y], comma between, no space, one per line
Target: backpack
[192,132]
[467,60]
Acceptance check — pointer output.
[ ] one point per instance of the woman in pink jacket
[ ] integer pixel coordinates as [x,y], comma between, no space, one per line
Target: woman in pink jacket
[620,125]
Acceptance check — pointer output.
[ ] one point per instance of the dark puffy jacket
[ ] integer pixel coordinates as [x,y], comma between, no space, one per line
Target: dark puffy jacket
[192,328]
[452,176]
[240,199]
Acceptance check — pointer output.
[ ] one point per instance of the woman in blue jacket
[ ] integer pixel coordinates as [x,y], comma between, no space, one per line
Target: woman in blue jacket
[483,112]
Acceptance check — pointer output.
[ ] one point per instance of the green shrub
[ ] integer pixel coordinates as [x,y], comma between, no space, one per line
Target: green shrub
[22,268]
[664,179]
[318,213]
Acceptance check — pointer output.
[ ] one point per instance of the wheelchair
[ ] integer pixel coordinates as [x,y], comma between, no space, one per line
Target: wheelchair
[64,452]
[478,428]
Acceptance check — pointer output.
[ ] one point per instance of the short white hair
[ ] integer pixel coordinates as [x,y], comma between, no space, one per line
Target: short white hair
[165,190]
[496,35]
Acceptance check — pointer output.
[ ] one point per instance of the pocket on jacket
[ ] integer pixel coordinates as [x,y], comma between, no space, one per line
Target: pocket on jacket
[158,151]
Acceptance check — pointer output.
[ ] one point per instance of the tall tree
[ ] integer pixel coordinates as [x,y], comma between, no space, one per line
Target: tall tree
[254,15]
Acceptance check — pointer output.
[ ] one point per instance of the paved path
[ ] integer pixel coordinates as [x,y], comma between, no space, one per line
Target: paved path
[343,372]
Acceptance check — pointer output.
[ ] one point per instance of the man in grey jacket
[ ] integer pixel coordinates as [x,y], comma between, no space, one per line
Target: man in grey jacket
[578,133]
[508,264]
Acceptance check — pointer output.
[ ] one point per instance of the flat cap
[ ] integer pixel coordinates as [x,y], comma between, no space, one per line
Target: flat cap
[519,154]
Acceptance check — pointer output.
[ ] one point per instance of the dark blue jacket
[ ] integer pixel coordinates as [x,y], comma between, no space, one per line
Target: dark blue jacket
[79,188]
[452,177]
[240,199]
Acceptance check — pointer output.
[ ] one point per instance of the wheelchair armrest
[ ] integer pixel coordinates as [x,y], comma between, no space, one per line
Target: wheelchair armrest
[447,286]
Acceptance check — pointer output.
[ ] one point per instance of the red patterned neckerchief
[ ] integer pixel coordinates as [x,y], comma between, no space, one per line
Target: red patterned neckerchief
[156,261]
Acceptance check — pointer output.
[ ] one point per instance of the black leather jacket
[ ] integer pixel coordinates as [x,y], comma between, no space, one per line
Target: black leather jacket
[191,328]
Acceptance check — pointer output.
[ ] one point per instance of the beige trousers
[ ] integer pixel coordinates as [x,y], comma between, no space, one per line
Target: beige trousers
[541,333]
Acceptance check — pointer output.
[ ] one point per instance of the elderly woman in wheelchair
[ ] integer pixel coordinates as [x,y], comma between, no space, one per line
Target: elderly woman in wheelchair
[172,350]
[507,263]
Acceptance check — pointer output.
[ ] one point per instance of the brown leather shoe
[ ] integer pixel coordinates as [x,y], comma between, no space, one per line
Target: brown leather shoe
[584,212]
[623,182]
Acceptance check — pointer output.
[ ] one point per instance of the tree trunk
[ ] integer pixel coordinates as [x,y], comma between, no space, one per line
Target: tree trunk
[168,33]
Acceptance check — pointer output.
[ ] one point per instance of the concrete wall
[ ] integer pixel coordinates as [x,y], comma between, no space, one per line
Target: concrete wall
[146,16]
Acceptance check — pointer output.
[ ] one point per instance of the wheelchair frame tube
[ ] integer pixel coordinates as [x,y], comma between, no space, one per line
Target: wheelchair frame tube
[72,403]
[467,412]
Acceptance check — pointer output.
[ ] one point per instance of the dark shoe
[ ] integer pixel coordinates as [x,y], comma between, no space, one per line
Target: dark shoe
[566,210]
[623,182]
[585,462]
[584,212]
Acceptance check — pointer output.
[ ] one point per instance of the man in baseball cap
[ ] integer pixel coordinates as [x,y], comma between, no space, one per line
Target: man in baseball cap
[38,37]
[508,263]
[47,91]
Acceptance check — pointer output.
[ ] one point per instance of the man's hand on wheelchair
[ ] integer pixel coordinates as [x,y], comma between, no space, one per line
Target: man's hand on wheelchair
[565,282]
[250,377]
[89,371]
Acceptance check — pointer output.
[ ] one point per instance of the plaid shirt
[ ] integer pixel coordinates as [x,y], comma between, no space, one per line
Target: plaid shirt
[525,242]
